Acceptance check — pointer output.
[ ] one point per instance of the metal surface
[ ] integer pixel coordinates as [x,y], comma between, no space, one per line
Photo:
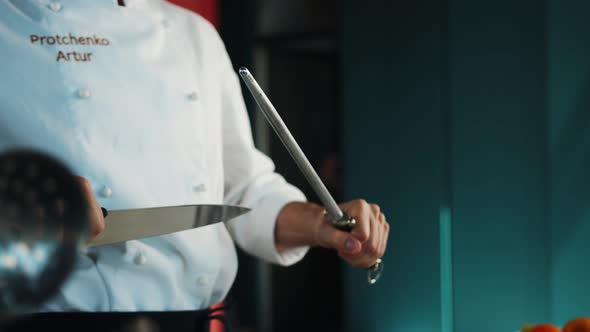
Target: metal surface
[291,145]
[125,225]
[338,218]
[375,272]
[345,223]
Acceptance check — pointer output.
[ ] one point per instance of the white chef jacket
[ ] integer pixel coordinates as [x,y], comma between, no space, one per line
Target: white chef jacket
[142,101]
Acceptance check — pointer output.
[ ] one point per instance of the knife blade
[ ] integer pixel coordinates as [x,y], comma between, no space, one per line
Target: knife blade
[133,224]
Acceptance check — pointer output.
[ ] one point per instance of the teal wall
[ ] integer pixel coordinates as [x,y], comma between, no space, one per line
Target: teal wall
[394,149]
[483,107]
[569,151]
[499,164]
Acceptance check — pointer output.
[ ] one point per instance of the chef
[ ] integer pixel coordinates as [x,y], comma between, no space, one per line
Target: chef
[140,100]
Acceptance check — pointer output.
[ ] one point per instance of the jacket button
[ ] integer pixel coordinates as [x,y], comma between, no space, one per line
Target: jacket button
[199,188]
[140,259]
[203,281]
[55,6]
[84,93]
[106,192]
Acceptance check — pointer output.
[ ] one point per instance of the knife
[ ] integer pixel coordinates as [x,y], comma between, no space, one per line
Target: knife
[338,218]
[133,224]
[43,214]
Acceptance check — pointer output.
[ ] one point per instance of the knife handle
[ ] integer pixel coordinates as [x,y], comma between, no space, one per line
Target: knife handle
[105,212]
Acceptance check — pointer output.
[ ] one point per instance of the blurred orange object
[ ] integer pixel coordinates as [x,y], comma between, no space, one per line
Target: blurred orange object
[526,328]
[581,324]
[545,328]
[214,324]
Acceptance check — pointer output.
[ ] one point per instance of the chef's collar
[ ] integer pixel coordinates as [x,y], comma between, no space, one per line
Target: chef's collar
[127,3]
[56,3]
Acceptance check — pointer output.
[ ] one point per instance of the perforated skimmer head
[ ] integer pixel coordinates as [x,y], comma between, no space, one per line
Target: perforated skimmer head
[43,217]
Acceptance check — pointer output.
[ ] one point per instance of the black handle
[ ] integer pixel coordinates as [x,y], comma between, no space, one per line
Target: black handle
[105,212]
[344,228]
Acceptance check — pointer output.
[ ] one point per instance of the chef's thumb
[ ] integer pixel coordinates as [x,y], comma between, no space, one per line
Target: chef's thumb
[344,242]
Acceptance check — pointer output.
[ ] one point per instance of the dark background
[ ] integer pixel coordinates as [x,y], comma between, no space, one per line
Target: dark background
[467,121]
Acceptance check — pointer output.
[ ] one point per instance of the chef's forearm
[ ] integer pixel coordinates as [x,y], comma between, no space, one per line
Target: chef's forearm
[297,225]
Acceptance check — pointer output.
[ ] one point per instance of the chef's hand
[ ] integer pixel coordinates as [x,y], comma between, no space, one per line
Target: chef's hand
[301,223]
[96,221]
[368,239]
